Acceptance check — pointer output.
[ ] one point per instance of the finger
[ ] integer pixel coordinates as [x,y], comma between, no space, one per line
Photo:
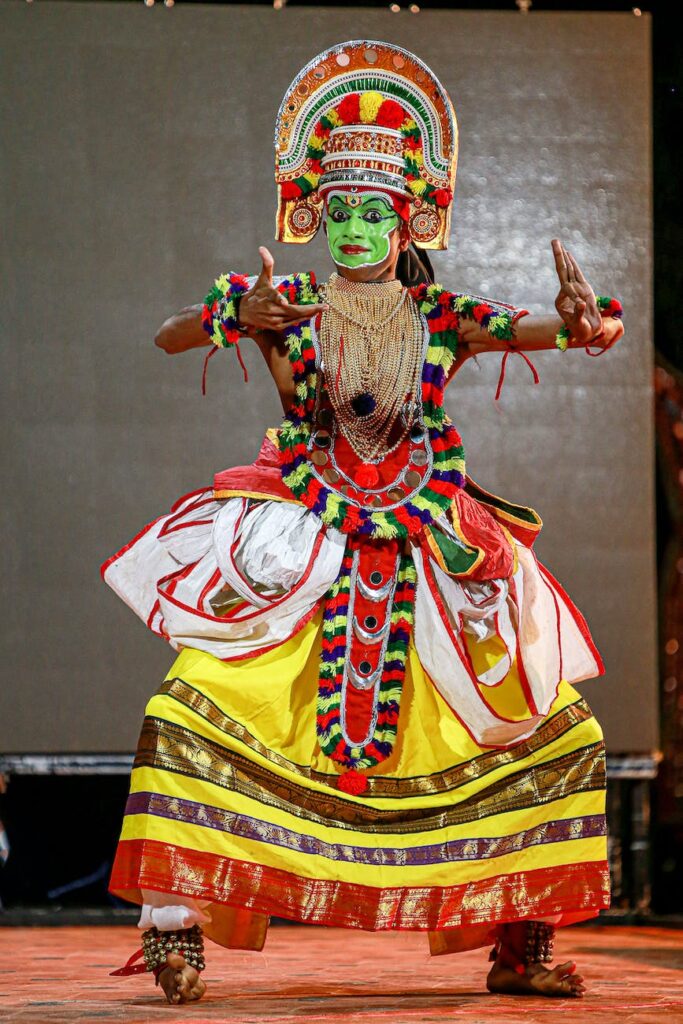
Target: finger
[267,265]
[560,263]
[272,308]
[281,323]
[280,326]
[570,270]
[271,294]
[570,291]
[578,275]
[265,294]
[307,311]
[295,323]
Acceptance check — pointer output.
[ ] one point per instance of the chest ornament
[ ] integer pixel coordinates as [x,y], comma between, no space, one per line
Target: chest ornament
[400,491]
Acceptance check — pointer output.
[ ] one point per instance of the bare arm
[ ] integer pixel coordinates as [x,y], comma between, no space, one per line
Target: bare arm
[576,307]
[263,310]
[536,332]
[182,331]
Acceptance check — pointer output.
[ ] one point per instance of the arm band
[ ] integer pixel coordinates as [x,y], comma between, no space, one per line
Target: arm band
[220,309]
[607,306]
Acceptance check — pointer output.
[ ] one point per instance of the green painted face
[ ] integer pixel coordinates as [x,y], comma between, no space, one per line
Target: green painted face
[358,236]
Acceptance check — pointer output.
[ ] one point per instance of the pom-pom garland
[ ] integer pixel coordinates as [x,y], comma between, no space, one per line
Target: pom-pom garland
[219,313]
[434,498]
[443,311]
[333,666]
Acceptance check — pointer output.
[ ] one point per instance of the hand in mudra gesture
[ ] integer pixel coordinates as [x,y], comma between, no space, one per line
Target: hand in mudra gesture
[264,308]
[576,301]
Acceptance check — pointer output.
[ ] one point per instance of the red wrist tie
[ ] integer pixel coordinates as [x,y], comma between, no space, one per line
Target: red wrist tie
[603,348]
[213,351]
[511,350]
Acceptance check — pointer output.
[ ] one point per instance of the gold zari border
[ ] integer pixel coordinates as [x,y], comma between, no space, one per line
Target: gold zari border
[384,785]
[168,747]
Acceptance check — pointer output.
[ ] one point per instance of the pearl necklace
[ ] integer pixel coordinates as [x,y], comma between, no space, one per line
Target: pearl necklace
[371,343]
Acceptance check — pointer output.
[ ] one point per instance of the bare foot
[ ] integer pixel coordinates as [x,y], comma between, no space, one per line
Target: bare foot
[180,982]
[537,980]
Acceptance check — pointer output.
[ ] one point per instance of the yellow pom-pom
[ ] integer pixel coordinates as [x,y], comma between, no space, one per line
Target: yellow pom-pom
[416,156]
[370,102]
[312,177]
[417,187]
[333,117]
[316,142]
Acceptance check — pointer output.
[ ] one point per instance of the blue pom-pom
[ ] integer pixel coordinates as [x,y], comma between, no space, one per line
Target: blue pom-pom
[363,404]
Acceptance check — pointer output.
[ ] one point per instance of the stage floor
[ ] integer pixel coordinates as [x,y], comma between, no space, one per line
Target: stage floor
[311,975]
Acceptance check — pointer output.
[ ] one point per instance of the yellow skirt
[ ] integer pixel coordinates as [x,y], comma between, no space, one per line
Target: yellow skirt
[233,802]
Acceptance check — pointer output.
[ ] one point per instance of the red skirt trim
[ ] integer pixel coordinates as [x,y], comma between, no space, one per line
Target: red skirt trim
[579,890]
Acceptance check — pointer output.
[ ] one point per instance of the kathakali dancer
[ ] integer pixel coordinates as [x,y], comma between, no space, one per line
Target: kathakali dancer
[371,721]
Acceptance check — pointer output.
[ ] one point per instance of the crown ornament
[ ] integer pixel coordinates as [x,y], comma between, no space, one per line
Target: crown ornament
[366,116]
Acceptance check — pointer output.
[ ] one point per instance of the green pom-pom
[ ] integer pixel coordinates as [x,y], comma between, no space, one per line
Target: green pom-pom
[562,338]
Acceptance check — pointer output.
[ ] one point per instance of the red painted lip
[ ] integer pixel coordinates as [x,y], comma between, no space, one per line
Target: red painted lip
[353,250]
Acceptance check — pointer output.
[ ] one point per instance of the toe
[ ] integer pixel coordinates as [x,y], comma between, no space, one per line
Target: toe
[183,988]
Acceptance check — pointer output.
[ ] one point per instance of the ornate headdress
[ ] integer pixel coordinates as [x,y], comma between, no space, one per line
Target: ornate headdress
[366,115]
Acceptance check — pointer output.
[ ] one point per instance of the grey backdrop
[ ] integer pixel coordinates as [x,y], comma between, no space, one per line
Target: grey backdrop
[137,164]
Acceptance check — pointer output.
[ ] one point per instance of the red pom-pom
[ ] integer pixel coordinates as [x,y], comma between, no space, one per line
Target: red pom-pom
[443,196]
[401,207]
[366,475]
[480,311]
[349,109]
[353,782]
[351,519]
[390,114]
[290,190]
[613,308]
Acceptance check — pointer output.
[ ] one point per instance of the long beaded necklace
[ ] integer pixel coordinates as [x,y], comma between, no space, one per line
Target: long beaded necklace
[371,342]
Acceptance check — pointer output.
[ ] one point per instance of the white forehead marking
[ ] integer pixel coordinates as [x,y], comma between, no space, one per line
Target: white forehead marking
[343,193]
